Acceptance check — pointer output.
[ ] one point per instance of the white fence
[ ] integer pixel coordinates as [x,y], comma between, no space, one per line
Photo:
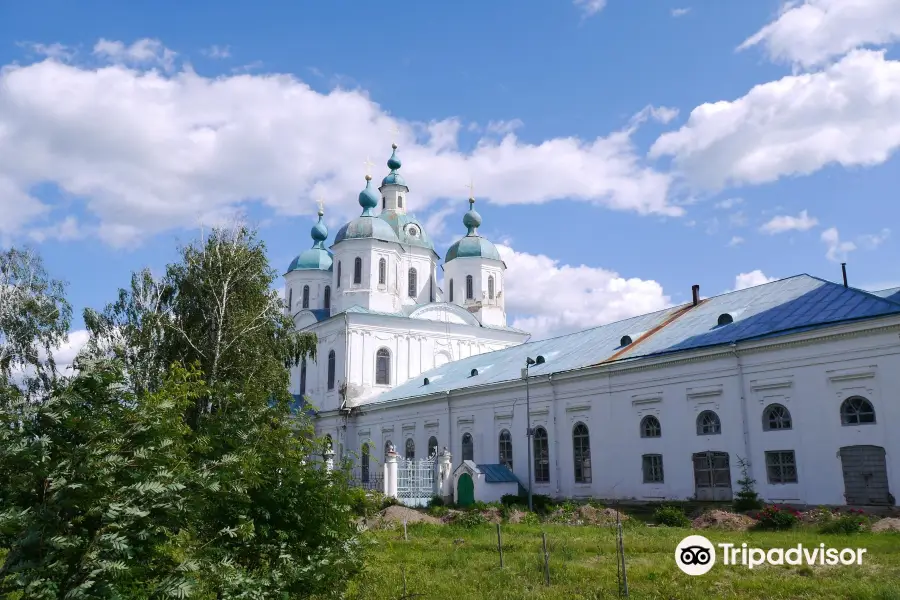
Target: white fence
[415,481]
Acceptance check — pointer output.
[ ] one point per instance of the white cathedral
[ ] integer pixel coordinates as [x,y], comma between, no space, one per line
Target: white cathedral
[795,381]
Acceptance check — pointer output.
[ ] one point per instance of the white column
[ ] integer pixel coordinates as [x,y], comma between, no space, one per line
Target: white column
[329,460]
[444,479]
[390,478]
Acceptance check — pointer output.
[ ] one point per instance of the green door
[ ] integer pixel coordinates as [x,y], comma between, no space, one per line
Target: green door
[465,490]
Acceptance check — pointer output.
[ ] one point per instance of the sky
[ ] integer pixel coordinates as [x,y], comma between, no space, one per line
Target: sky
[620,151]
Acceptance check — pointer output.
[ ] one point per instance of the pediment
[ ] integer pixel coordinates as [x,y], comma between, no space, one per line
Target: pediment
[304,319]
[446,313]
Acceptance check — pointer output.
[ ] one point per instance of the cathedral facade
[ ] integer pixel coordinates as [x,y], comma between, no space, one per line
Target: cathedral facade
[793,383]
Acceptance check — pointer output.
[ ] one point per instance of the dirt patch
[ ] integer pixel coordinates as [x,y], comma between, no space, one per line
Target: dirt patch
[397,514]
[587,515]
[492,515]
[888,524]
[721,519]
[516,516]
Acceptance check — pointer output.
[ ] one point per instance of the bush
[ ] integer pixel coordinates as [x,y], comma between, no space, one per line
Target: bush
[435,501]
[777,518]
[469,519]
[530,519]
[540,502]
[854,522]
[364,503]
[512,500]
[388,501]
[671,516]
[438,511]
[747,498]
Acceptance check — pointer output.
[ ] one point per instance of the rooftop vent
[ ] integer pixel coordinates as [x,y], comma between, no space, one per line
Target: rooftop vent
[695,294]
[540,360]
[725,319]
[427,381]
[473,373]
[625,341]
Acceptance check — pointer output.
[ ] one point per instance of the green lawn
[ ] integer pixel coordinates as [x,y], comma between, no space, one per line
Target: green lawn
[448,562]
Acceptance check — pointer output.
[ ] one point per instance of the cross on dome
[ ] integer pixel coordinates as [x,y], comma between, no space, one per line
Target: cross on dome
[369,164]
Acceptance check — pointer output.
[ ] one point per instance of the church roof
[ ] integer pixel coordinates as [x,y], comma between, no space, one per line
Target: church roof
[323,314]
[472,245]
[796,304]
[401,224]
[892,294]
[317,257]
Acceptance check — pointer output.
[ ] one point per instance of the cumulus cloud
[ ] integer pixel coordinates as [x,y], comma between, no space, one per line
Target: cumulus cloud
[680,12]
[751,279]
[872,240]
[736,241]
[590,7]
[846,114]
[837,250]
[660,114]
[783,223]
[217,51]
[728,203]
[147,150]
[547,298]
[811,32]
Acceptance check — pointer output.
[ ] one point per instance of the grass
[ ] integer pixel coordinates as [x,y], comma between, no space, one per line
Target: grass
[451,562]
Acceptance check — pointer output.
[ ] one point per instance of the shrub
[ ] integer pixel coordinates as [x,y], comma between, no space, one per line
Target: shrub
[363,503]
[435,501]
[388,501]
[512,499]
[438,511]
[671,516]
[747,498]
[469,519]
[530,519]
[539,502]
[853,522]
[777,518]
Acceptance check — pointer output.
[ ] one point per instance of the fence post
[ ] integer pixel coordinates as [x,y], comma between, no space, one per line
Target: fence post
[500,545]
[390,475]
[546,559]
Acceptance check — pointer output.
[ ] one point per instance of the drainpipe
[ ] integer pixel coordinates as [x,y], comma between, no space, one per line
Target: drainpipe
[449,430]
[555,431]
[744,410]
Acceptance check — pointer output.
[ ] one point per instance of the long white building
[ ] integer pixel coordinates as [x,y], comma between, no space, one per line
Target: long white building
[799,378]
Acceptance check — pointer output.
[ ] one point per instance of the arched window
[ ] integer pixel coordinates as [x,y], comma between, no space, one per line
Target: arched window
[708,423]
[383,367]
[328,444]
[357,270]
[382,271]
[857,411]
[331,366]
[410,449]
[399,201]
[650,427]
[432,447]
[506,449]
[470,288]
[468,447]
[775,417]
[388,444]
[290,303]
[451,290]
[413,284]
[364,460]
[581,448]
[491,287]
[327,298]
[339,275]
[541,456]
[303,377]
[305,296]
[383,202]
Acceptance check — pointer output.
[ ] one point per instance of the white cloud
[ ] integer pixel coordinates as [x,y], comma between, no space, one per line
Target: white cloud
[728,203]
[143,52]
[582,296]
[680,12]
[217,51]
[736,241]
[847,114]
[811,32]
[837,250]
[661,114]
[590,7]
[504,127]
[56,51]
[65,230]
[871,241]
[782,223]
[147,151]
[751,279]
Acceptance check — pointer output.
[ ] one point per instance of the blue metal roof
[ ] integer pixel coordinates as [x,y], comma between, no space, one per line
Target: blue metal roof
[400,223]
[366,227]
[320,313]
[472,246]
[789,305]
[498,474]
[892,294]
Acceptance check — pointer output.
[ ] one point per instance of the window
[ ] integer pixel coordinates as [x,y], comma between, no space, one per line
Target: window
[581,447]
[857,411]
[506,449]
[305,296]
[290,299]
[432,447]
[468,447]
[331,365]
[650,427]
[327,297]
[708,423]
[451,290]
[303,377]
[383,202]
[775,417]
[329,443]
[383,367]
[410,449]
[357,270]
[541,456]
[364,475]
[491,287]
[339,275]
[399,201]
[653,468]
[382,271]
[413,283]
[470,288]
[781,466]
[387,447]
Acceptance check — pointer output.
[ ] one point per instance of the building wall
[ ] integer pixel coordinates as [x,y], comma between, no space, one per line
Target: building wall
[810,378]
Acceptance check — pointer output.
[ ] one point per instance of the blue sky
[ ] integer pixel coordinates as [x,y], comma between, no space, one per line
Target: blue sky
[621,151]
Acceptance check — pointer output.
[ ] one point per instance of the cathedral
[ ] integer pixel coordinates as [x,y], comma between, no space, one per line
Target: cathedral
[792,383]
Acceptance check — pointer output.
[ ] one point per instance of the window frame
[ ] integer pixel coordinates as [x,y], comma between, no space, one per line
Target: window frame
[541,455]
[652,468]
[326,300]
[505,449]
[845,414]
[303,377]
[581,453]
[383,357]
[470,287]
[786,416]
[468,443]
[357,271]
[382,271]
[305,296]
[778,466]
[490,287]
[332,369]
[718,423]
[409,449]
[412,283]
[645,422]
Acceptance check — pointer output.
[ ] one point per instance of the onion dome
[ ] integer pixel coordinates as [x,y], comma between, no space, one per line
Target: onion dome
[317,258]
[472,245]
[394,164]
[367,225]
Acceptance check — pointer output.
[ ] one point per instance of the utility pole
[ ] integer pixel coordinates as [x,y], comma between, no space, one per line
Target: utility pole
[528,431]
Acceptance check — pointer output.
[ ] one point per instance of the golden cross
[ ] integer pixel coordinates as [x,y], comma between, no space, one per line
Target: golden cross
[321,204]
[471,187]
[369,164]
[395,131]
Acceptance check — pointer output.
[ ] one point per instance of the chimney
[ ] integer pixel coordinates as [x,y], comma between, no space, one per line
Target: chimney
[695,293]
[844,272]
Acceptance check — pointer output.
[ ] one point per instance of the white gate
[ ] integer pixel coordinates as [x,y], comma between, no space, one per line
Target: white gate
[415,481]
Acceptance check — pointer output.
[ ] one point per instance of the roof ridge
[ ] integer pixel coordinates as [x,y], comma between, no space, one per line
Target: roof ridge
[858,290]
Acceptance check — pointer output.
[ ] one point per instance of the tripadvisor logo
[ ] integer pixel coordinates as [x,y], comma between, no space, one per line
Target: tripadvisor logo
[696,555]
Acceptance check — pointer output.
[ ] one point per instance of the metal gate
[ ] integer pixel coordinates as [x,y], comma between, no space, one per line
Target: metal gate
[865,475]
[712,476]
[415,481]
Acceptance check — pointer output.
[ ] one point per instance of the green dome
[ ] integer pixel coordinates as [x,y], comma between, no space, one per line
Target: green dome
[393,163]
[366,227]
[369,198]
[408,229]
[317,258]
[473,245]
